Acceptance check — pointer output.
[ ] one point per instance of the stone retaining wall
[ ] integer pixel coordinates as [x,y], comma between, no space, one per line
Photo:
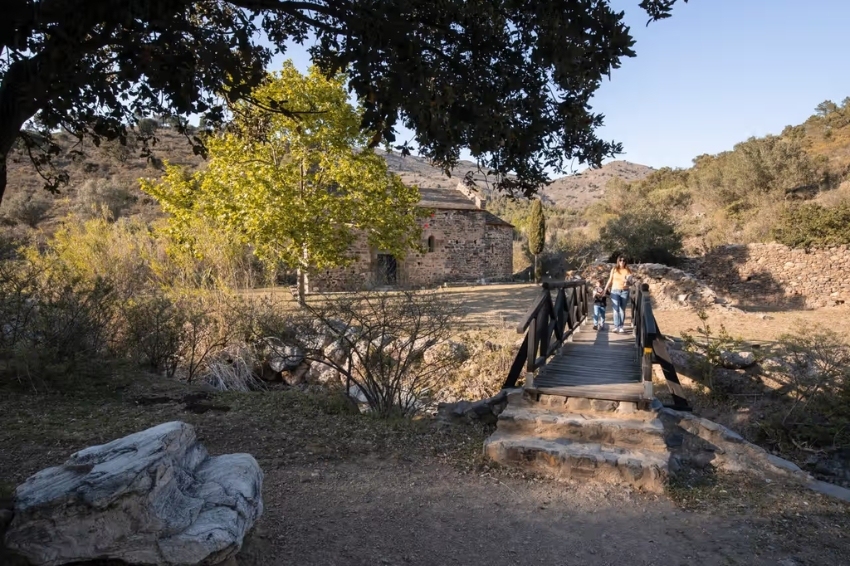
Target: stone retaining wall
[776,276]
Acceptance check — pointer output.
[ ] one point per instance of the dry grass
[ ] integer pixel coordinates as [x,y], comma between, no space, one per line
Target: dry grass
[756,327]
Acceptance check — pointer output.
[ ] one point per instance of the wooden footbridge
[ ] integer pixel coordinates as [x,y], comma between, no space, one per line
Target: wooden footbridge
[562,356]
[586,409]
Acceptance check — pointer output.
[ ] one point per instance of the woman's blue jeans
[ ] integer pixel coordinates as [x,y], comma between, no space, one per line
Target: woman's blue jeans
[619,300]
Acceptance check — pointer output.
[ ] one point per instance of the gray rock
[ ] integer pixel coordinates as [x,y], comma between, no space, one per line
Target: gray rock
[737,360]
[154,497]
[337,351]
[285,357]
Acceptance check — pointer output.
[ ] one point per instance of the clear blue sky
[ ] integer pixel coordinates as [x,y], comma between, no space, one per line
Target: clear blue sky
[716,73]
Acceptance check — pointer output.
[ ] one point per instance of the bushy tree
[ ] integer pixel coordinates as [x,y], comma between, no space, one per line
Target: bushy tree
[644,235]
[536,233]
[511,81]
[300,190]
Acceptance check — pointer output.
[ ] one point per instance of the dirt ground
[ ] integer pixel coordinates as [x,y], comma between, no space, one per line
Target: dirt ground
[502,306]
[347,489]
[484,305]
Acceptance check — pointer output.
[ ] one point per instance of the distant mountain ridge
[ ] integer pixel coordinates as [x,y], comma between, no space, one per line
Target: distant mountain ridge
[585,188]
[571,191]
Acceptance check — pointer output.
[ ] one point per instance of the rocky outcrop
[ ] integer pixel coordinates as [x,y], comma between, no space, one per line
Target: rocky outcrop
[669,287]
[154,497]
[774,275]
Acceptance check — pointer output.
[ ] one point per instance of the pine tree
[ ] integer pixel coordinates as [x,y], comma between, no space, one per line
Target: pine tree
[536,233]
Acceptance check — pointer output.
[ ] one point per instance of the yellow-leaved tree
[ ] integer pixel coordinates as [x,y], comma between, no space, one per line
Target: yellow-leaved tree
[299,188]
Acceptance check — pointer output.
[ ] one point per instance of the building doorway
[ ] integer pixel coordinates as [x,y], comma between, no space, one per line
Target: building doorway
[387,270]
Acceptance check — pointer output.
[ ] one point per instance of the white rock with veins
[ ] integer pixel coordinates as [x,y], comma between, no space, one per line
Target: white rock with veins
[153,497]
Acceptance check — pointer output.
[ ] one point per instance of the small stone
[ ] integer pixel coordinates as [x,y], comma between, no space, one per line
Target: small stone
[578,404]
[626,408]
[602,405]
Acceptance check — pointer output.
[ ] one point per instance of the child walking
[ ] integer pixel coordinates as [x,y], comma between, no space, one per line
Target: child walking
[600,300]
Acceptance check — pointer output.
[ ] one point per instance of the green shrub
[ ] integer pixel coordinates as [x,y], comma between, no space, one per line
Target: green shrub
[643,235]
[705,351]
[148,126]
[814,226]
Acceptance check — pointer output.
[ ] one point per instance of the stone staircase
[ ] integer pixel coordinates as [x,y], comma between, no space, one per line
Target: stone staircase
[579,438]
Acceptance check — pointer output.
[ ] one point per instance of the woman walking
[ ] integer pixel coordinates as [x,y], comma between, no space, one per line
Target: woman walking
[618,284]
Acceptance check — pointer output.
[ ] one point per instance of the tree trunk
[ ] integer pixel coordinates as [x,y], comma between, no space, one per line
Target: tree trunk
[302,287]
[2,176]
[535,269]
[17,105]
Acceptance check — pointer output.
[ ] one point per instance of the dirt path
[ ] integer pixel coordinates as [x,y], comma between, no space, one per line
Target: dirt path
[370,512]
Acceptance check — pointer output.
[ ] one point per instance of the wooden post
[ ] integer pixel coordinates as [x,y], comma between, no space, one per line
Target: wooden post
[532,353]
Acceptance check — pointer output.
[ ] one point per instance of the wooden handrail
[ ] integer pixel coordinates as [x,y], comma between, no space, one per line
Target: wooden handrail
[547,325]
[564,284]
[652,347]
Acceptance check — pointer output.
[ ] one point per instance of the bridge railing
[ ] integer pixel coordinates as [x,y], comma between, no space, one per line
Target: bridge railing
[652,347]
[547,325]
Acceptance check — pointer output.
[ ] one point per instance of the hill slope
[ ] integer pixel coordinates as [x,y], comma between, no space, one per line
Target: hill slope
[571,191]
[583,189]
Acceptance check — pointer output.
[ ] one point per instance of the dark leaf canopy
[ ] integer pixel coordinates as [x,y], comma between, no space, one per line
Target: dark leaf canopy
[510,80]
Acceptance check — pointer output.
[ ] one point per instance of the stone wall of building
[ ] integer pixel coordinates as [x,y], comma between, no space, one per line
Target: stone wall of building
[500,252]
[776,276]
[465,248]
[354,275]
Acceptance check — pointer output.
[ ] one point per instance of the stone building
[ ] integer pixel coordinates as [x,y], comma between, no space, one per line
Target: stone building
[462,241]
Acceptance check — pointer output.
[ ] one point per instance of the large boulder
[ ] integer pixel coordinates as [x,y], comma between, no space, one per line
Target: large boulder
[154,497]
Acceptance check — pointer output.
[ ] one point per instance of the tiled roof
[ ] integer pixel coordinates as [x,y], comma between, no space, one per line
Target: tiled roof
[494,220]
[449,199]
[452,199]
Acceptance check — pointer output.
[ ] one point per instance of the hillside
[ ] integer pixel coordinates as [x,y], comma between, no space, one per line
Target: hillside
[571,191]
[109,175]
[587,187]
[793,188]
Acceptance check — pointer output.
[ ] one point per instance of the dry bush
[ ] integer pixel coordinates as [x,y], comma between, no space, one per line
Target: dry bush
[96,195]
[27,207]
[233,369]
[50,319]
[815,414]
[392,349]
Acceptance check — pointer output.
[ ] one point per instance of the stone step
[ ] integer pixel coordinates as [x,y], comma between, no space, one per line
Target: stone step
[563,459]
[572,405]
[548,425]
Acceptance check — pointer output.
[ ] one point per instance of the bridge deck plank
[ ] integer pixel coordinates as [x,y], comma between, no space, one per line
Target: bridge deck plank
[600,365]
